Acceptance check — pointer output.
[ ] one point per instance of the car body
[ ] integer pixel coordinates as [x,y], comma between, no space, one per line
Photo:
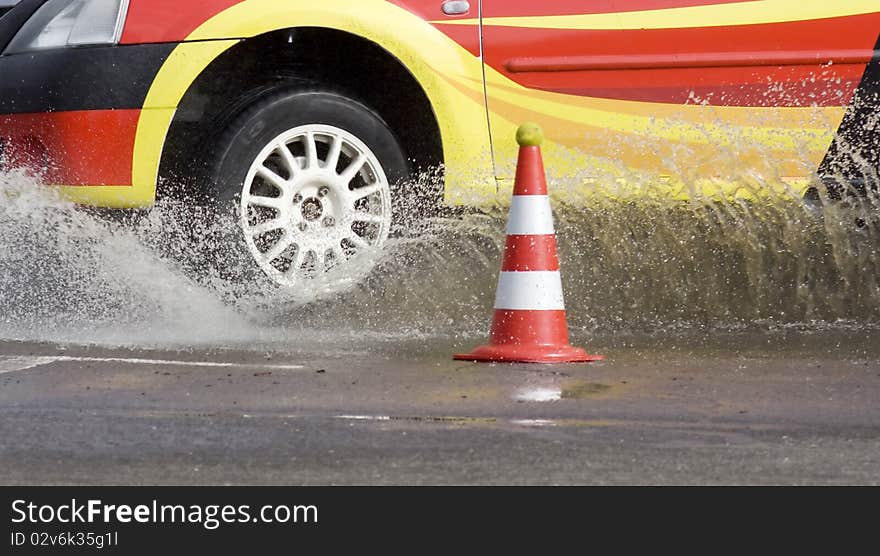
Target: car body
[703,97]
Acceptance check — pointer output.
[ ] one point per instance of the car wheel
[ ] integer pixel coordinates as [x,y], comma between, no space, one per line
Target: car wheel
[310,179]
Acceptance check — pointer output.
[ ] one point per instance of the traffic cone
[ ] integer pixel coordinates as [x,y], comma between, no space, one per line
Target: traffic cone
[529,324]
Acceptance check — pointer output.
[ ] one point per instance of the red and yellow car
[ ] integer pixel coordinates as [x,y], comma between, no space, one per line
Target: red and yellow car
[309,119]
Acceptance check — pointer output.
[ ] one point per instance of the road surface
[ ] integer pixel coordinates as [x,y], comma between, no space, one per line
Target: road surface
[737,408]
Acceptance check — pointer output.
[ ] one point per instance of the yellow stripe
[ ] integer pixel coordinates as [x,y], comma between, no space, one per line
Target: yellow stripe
[675,123]
[758,12]
[108,196]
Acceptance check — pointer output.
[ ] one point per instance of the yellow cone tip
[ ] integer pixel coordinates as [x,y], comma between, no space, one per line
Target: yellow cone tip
[529,135]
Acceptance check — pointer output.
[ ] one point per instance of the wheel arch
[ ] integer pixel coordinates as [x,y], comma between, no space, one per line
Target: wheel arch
[449,76]
[308,58]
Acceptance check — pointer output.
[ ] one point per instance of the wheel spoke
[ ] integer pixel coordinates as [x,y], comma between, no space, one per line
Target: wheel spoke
[267,226]
[289,160]
[333,155]
[278,248]
[298,258]
[368,217]
[268,202]
[311,151]
[272,177]
[337,257]
[349,173]
[366,191]
[358,241]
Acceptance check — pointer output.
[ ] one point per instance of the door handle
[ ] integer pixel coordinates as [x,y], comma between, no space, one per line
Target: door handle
[456,7]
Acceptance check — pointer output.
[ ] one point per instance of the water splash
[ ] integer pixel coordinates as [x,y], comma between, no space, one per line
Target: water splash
[67,274]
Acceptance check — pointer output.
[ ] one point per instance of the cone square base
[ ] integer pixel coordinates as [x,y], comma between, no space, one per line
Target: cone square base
[513,353]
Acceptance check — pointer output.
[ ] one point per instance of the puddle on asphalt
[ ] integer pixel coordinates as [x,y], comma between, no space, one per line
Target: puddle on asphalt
[431,419]
[534,422]
[629,270]
[584,390]
[570,390]
[539,395]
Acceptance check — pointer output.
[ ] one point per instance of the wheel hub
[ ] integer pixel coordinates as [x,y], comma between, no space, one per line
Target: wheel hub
[312,209]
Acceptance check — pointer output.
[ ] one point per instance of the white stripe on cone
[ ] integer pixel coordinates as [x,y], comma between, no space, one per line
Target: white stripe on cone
[530,215]
[538,290]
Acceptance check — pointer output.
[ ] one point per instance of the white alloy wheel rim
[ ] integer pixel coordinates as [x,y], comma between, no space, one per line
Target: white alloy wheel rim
[314,199]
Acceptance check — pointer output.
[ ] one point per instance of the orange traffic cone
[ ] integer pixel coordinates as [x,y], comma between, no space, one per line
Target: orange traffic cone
[529,324]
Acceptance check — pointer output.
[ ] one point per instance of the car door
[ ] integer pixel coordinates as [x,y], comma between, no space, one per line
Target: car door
[688,96]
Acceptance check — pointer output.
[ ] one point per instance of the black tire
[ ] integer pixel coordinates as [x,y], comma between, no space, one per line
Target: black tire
[255,127]
[246,136]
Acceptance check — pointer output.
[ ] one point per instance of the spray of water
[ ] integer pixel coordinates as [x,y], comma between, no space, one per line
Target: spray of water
[68,274]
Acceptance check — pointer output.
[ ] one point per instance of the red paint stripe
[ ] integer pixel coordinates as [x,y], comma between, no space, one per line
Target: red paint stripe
[686,60]
[857,32]
[527,252]
[152,21]
[787,86]
[529,327]
[93,147]
[644,5]
[432,10]
[530,178]
[734,81]
[842,34]
[529,8]
[467,36]
[696,77]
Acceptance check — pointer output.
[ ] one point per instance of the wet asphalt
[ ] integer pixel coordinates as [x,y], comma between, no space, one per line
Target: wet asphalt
[790,408]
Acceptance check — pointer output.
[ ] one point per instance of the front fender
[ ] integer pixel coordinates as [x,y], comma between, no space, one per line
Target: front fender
[450,76]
